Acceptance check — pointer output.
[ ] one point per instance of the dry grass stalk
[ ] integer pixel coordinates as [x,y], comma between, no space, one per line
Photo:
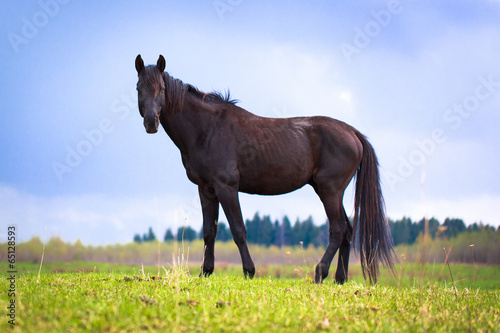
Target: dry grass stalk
[401,269]
[43,252]
[452,280]
[474,264]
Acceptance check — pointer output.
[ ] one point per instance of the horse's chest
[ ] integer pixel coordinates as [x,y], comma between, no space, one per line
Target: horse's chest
[192,171]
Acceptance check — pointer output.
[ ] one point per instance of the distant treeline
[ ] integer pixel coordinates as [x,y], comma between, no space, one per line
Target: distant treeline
[405,231]
[260,231]
[263,231]
[281,243]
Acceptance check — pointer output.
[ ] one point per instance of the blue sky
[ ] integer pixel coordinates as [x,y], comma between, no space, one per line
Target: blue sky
[419,78]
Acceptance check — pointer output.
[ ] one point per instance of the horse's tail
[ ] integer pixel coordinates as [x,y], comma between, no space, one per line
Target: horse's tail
[371,227]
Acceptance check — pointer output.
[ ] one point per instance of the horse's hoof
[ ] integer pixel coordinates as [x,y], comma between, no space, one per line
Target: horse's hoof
[340,278]
[321,273]
[249,274]
[206,272]
[340,281]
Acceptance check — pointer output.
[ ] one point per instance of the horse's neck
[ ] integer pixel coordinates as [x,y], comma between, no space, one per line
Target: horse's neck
[183,127]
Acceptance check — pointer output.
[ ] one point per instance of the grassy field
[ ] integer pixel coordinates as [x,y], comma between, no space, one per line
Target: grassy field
[80,296]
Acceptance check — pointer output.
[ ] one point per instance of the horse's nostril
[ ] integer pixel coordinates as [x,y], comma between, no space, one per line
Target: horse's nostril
[151,124]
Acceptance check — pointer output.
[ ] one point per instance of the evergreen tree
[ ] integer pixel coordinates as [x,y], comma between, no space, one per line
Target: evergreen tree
[187,234]
[323,234]
[286,231]
[265,231]
[200,233]
[402,231]
[276,239]
[297,235]
[253,229]
[433,227]
[169,236]
[453,227]
[190,234]
[223,233]
[151,235]
[473,227]
[137,238]
[310,232]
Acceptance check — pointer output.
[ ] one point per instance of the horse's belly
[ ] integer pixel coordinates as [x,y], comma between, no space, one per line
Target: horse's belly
[274,189]
[276,158]
[274,179]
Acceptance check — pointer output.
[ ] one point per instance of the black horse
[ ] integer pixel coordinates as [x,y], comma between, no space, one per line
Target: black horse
[226,149]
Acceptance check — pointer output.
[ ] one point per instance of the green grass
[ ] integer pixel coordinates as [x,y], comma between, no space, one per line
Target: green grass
[80,296]
[412,274]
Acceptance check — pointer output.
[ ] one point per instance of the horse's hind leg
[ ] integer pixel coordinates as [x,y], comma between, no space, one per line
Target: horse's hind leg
[344,251]
[332,200]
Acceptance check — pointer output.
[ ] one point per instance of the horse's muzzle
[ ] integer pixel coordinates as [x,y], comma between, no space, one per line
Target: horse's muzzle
[151,130]
[151,124]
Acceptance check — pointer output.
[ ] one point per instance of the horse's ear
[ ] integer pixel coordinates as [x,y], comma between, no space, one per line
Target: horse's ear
[139,64]
[161,64]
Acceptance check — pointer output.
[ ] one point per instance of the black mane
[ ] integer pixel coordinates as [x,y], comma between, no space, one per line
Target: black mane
[212,97]
[175,91]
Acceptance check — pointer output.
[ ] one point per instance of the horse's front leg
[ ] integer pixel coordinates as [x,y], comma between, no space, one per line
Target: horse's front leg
[210,209]
[228,197]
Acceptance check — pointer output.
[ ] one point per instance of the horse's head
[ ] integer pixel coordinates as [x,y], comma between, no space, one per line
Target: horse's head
[151,90]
